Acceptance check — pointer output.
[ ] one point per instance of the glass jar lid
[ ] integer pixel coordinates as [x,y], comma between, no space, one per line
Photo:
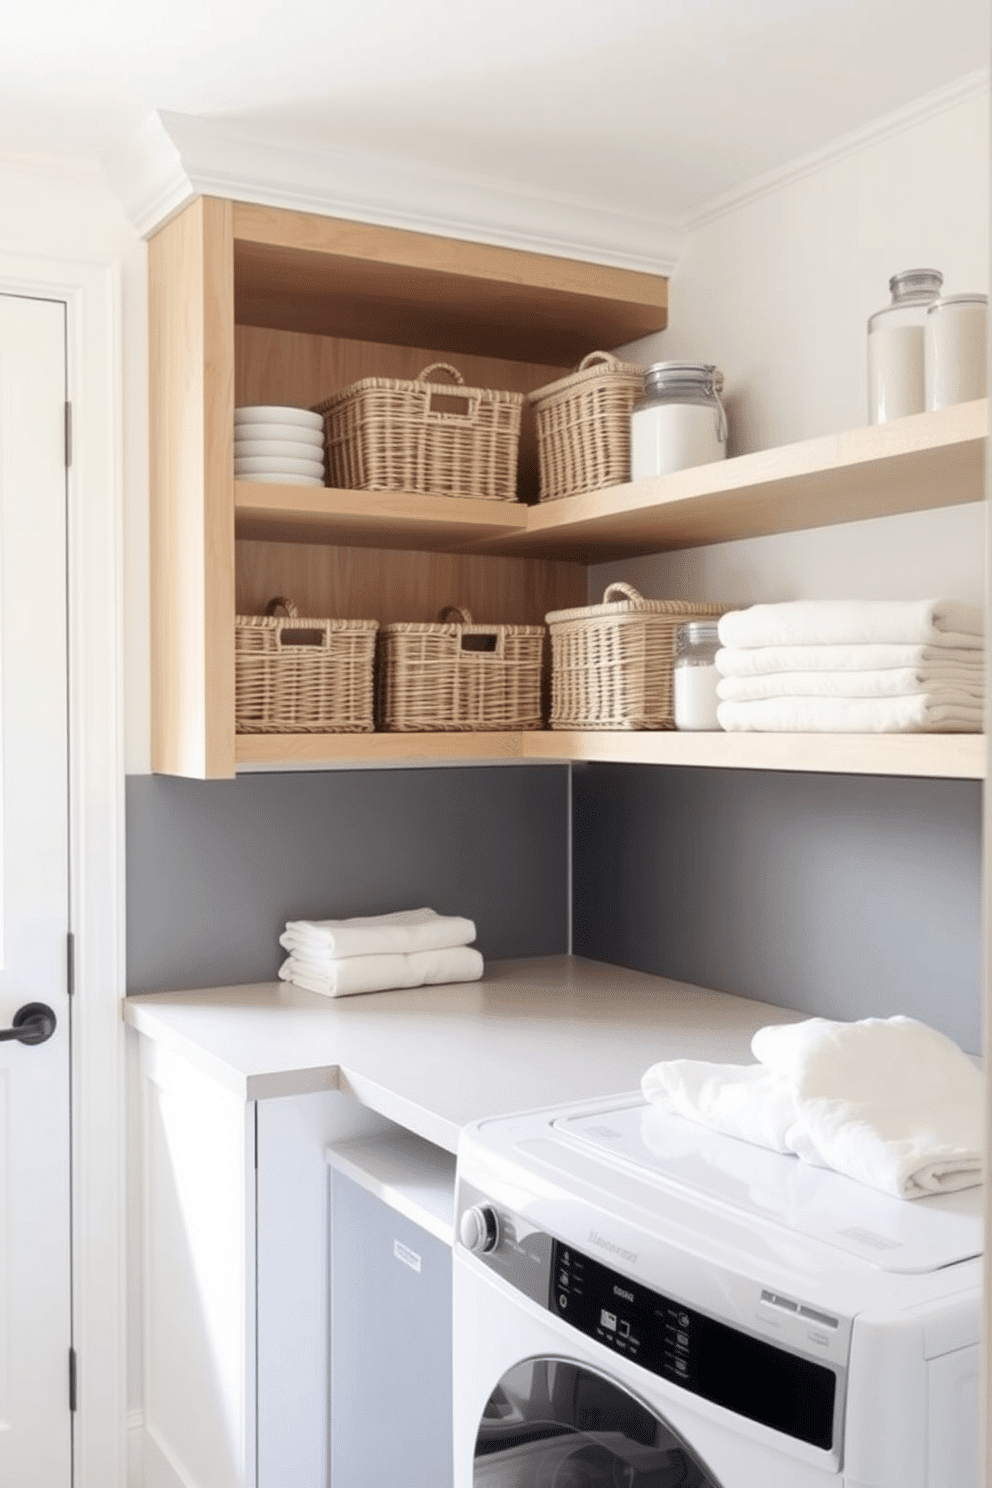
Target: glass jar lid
[700,376]
[915,284]
[699,633]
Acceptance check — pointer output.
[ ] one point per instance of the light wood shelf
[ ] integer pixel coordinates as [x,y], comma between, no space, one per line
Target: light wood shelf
[319,750]
[951,756]
[918,463]
[939,756]
[386,519]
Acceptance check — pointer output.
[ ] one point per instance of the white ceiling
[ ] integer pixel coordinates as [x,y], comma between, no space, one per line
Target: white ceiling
[617,103]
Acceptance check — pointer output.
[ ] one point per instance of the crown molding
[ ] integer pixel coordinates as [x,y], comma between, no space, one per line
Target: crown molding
[175,157]
[974,85]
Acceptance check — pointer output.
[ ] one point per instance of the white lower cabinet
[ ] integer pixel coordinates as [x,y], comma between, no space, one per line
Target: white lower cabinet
[236,1315]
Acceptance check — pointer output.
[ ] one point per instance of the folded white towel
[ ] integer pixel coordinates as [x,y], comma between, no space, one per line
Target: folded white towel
[968,690]
[750,661]
[821,715]
[935,622]
[353,974]
[887,1101]
[367,935]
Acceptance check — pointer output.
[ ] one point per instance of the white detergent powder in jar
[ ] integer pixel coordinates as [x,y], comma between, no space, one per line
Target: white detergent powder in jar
[956,350]
[679,422]
[895,346]
[694,675]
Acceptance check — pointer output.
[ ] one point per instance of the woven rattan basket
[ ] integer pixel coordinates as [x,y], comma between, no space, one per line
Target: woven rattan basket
[302,676]
[453,675]
[611,663]
[389,434]
[583,426]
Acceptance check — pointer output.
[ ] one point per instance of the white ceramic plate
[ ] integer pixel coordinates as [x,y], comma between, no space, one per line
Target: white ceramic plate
[282,480]
[296,433]
[268,413]
[246,449]
[277,465]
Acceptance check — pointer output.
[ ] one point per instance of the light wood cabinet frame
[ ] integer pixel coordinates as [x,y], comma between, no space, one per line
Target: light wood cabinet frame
[258,304]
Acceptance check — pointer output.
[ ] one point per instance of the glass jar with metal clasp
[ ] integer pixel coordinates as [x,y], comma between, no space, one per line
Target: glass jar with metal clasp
[695,675]
[680,421]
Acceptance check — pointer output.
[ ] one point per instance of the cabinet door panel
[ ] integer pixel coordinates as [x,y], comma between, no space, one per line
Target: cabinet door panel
[390,1346]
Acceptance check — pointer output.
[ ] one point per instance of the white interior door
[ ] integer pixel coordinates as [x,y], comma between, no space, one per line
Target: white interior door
[35,1293]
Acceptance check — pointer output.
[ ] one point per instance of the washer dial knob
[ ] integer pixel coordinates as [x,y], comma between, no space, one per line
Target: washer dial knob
[479,1229]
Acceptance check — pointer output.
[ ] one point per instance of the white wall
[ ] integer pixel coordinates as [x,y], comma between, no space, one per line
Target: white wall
[776,290]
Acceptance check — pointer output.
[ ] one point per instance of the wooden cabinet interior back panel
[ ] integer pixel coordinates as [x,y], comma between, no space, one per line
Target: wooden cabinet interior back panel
[393,586]
[295,368]
[192,580]
[305,272]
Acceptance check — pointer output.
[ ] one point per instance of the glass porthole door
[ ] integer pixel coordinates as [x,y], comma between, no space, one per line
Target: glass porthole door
[552,1423]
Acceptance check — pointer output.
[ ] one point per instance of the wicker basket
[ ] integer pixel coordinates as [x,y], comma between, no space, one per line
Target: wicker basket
[583,426]
[453,675]
[302,676]
[611,663]
[387,434]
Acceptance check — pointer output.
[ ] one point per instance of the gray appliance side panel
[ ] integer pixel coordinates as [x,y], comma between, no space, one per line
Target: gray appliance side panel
[843,896]
[216,868]
[391,1398]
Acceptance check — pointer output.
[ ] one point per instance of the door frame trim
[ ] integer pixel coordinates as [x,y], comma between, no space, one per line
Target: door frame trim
[91,293]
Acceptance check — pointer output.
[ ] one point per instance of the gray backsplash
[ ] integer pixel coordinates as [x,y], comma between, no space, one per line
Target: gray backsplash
[844,896]
[215,868]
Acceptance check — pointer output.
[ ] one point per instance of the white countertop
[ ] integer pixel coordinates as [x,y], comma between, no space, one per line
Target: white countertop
[532,1033]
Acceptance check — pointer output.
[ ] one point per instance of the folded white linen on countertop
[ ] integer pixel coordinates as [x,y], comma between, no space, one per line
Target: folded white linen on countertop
[823,715]
[887,1101]
[810,622]
[968,691]
[383,973]
[750,661]
[367,935]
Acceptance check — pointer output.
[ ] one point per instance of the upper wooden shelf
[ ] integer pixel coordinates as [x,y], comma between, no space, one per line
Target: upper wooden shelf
[403,519]
[299,272]
[914,464]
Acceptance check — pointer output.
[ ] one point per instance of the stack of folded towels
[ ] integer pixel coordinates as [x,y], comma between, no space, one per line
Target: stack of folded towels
[862,667]
[886,1101]
[374,953]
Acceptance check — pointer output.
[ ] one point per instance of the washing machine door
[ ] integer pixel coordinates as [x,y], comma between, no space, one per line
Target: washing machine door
[553,1423]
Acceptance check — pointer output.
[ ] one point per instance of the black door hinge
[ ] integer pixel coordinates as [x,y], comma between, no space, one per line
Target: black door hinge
[70,964]
[68,435]
[72,1379]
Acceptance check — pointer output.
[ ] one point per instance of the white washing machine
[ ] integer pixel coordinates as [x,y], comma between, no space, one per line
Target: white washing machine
[641,1303]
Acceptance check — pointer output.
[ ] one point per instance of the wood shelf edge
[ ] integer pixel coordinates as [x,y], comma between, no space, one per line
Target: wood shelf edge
[935,756]
[938,756]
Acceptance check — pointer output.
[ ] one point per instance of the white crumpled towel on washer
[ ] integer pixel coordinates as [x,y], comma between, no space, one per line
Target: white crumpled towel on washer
[887,1101]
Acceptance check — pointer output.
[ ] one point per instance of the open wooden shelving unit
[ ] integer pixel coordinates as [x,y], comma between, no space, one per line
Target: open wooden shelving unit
[252,304]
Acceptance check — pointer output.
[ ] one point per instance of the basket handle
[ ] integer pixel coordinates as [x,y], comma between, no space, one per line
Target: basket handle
[282,603]
[461,617]
[626,590]
[445,403]
[606,357]
[441,367]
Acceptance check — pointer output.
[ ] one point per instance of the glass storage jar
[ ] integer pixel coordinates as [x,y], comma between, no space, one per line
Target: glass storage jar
[955,349]
[680,420]
[694,675]
[895,346]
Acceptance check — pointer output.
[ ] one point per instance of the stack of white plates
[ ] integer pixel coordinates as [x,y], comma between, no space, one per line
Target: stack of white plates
[282,445]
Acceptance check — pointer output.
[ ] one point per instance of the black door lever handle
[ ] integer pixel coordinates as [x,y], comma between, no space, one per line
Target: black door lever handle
[31,1024]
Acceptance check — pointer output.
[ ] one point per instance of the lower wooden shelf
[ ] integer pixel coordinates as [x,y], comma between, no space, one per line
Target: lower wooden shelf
[942,756]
